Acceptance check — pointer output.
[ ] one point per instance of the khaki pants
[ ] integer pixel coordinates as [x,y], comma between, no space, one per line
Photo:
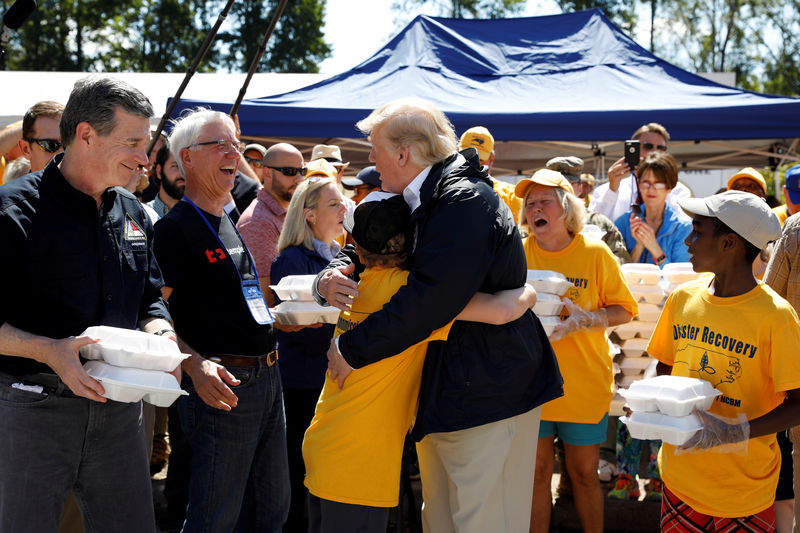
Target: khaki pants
[794,436]
[480,479]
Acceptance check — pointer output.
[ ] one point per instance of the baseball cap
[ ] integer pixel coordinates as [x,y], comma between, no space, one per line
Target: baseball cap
[320,167]
[746,214]
[480,139]
[753,174]
[377,219]
[546,177]
[792,184]
[330,153]
[257,147]
[365,176]
[587,178]
[570,167]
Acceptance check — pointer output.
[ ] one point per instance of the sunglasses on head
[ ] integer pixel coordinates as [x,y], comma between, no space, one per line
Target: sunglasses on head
[47,145]
[290,171]
[659,147]
[257,163]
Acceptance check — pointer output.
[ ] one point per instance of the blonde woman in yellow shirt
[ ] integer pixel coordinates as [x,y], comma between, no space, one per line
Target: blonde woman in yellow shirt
[598,298]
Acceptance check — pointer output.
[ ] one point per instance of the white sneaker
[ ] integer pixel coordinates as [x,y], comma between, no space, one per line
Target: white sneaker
[606,471]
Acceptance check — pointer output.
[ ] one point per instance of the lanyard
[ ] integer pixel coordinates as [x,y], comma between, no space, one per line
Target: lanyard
[251,289]
[216,234]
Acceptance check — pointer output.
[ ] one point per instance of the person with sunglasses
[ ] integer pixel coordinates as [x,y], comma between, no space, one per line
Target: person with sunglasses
[614,199]
[261,223]
[41,139]
[254,156]
[80,253]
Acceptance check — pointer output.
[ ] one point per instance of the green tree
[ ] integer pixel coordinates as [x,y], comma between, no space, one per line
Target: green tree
[620,12]
[297,45]
[460,9]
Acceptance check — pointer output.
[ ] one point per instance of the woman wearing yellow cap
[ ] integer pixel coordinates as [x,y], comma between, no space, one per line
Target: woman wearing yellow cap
[598,298]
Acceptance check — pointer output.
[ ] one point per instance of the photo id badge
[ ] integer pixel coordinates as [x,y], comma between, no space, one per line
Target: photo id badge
[255,302]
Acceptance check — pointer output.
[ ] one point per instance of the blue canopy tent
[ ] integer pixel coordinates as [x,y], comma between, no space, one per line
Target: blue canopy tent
[573,79]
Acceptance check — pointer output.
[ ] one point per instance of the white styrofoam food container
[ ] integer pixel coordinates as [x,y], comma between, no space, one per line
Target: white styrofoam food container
[626,381]
[634,347]
[547,304]
[674,430]
[548,281]
[634,328]
[636,273]
[129,385]
[670,395]
[295,288]
[304,313]
[631,366]
[652,294]
[677,273]
[131,348]
[549,323]
[648,313]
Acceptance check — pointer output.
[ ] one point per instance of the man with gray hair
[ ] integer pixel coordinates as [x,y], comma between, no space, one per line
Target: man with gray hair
[233,417]
[478,417]
[77,253]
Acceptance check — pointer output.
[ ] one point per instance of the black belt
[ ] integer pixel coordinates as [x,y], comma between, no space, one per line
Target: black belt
[51,382]
[242,360]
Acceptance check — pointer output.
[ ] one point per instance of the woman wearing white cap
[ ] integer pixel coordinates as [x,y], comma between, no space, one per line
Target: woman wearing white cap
[598,298]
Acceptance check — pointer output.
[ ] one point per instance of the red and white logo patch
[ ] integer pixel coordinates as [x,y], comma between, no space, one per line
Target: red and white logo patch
[133,230]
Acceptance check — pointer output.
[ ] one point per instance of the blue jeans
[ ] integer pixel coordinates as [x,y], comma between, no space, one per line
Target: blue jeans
[240,472]
[52,444]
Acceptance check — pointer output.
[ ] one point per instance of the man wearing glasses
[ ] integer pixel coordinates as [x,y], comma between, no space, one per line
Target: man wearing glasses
[233,417]
[614,198]
[261,223]
[254,156]
[41,139]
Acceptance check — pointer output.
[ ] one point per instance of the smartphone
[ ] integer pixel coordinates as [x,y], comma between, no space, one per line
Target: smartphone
[632,154]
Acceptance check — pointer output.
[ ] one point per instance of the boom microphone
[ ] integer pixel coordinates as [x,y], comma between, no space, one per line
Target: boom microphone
[14,17]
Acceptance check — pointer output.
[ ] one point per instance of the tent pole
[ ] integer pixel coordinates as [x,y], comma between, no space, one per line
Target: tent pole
[189,73]
[257,58]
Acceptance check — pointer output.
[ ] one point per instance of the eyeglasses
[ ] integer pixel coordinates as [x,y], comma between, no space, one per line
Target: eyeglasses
[290,171]
[659,147]
[657,185]
[257,163]
[47,145]
[223,145]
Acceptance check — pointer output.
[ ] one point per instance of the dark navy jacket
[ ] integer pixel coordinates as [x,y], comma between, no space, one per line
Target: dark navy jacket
[67,266]
[466,241]
[302,354]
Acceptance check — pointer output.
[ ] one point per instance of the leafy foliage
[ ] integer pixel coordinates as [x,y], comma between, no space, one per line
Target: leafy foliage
[166,35]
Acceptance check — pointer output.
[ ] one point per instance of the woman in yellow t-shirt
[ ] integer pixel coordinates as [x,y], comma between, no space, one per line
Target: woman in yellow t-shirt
[598,298]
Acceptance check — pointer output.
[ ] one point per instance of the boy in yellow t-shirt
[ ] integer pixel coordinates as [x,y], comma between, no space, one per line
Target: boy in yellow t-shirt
[353,447]
[739,335]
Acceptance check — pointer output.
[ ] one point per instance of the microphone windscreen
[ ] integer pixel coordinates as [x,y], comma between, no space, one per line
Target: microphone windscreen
[18,13]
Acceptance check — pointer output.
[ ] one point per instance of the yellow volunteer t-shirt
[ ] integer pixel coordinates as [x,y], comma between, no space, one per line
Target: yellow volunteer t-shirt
[506,193]
[782,212]
[584,357]
[354,445]
[746,346]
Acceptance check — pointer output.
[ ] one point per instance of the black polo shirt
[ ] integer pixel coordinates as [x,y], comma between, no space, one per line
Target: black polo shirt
[67,265]
[207,303]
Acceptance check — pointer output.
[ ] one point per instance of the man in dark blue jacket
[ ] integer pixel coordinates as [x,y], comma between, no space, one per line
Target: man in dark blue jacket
[481,390]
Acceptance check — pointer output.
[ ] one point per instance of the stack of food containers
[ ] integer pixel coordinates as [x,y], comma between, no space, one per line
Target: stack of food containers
[298,307]
[133,365]
[663,407]
[550,287]
[643,281]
